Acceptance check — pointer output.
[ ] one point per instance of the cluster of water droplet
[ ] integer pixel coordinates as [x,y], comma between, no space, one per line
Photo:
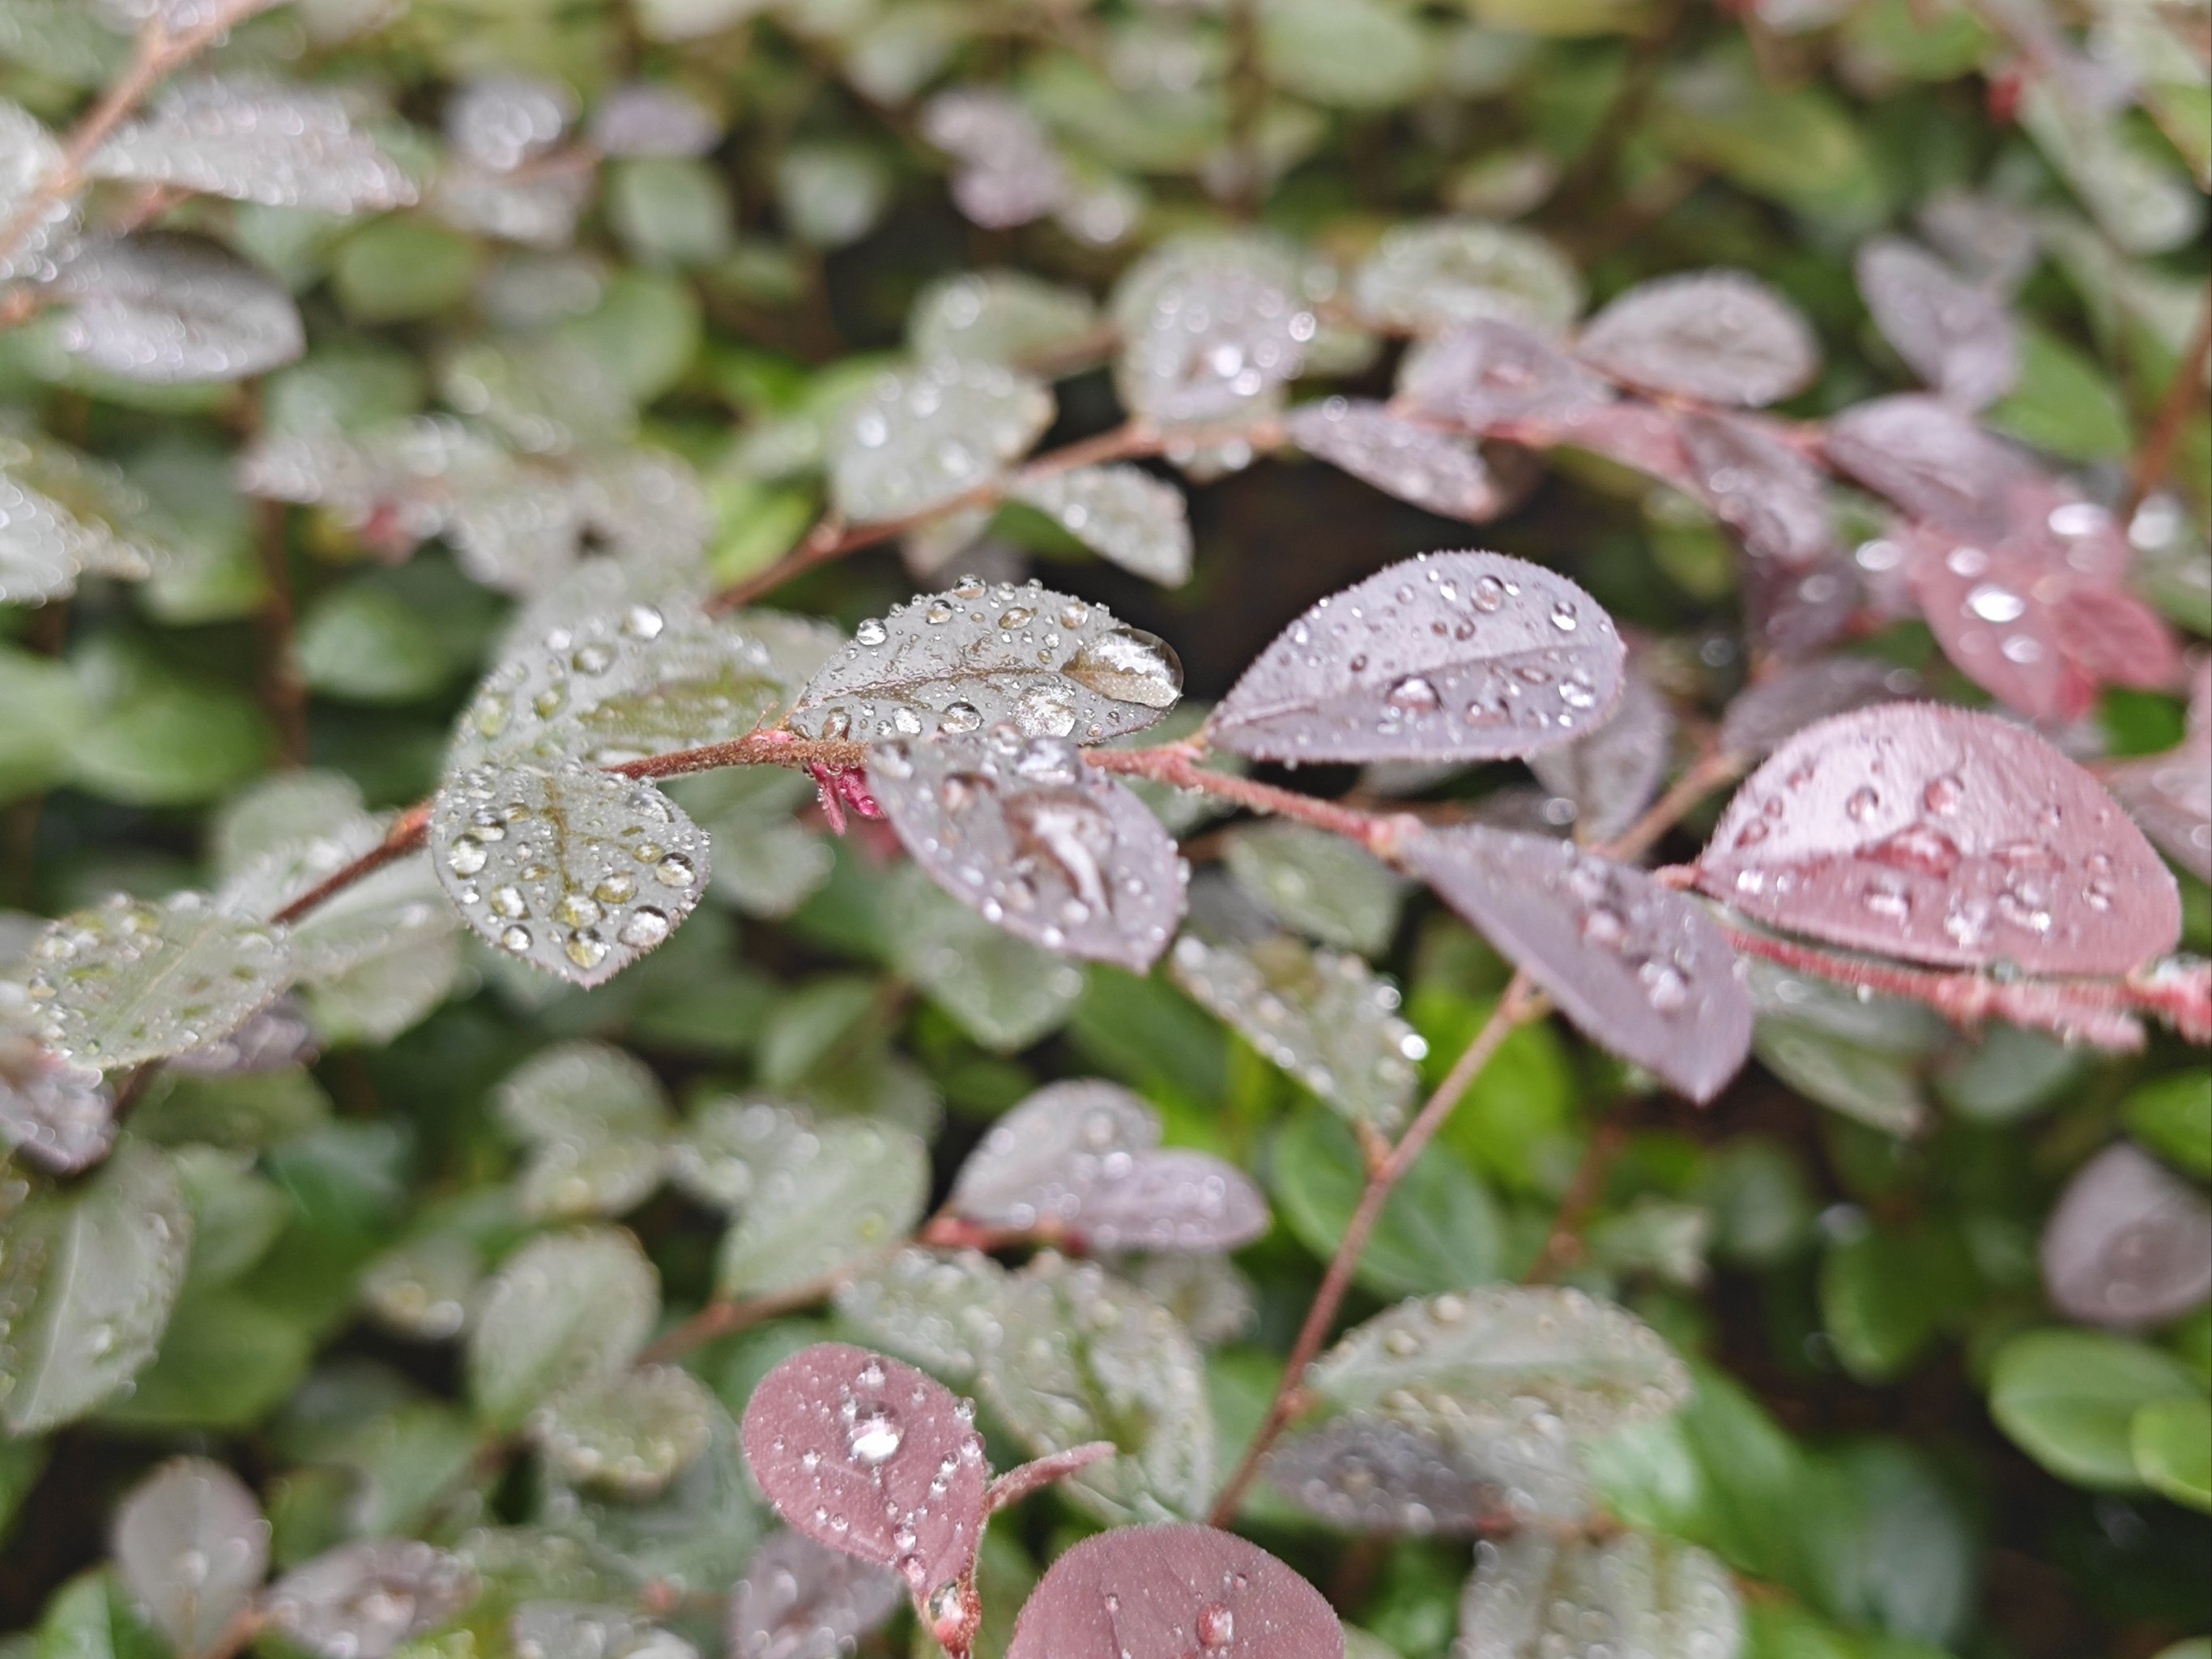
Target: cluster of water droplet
[1009,171]
[1212,329]
[1122,513]
[28,155]
[1720,336]
[923,436]
[360,1601]
[1436,274]
[58,1116]
[1442,473]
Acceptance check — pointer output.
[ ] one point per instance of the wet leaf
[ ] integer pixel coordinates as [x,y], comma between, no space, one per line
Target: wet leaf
[978,654]
[767,863]
[1638,967]
[28,155]
[1370,1475]
[1454,656]
[68,514]
[1008,173]
[1492,373]
[1440,1229]
[697,1532]
[651,119]
[2169,795]
[1020,830]
[360,1601]
[2128,1244]
[1006,317]
[1436,274]
[1162,1592]
[1775,497]
[1002,991]
[630,1434]
[874,1459]
[1207,1294]
[1440,473]
[168,310]
[1320,885]
[1325,1018]
[1720,336]
[799,1600]
[132,980]
[1956,337]
[567,1629]
[576,872]
[565,1308]
[1764,714]
[1078,1356]
[1082,1158]
[1494,1358]
[923,437]
[595,1118]
[1612,772]
[1944,837]
[1534,1595]
[1931,460]
[845,1191]
[1121,512]
[2068,1398]
[57,1116]
[2171,1443]
[255,140]
[422,1289]
[86,1286]
[192,1548]
[1212,327]
[936,1308]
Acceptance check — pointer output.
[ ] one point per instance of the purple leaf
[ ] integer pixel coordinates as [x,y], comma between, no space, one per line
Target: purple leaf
[1020,830]
[1371,1474]
[871,1458]
[1490,373]
[1763,715]
[1612,773]
[1442,473]
[362,1600]
[1941,835]
[1008,173]
[1452,656]
[1792,609]
[1082,1157]
[1038,1472]
[2169,795]
[800,1601]
[58,1116]
[2128,1244]
[1639,968]
[1173,1592]
[1956,337]
[192,1548]
[1770,492]
[1930,460]
[1720,336]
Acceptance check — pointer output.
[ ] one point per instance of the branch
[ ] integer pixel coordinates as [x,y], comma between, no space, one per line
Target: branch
[721,1317]
[283,689]
[1520,1004]
[2184,393]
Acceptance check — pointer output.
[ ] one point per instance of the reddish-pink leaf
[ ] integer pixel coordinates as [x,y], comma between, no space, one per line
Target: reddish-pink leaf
[1792,609]
[1034,1476]
[2170,796]
[1491,372]
[1632,435]
[1720,336]
[1931,460]
[1775,497]
[1440,473]
[1941,835]
[1639,968]
[1762,715]
[1612,773]
[871,1458]
[1452,656]
[1956,337]
[2128,1244]
[1174,1592]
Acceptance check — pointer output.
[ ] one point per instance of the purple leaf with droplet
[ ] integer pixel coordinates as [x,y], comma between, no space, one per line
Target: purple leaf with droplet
[1020,830]
[1792,609]
[1941,835]
[1442,473]
[1775,497]
[1931,460]
[1763,715]
[1371,1474]
[1452,656]
[1038,1472]
[801,1600]
[1082,1158]
[1958,338]
[1174,1592]
[2128,1244]
[871,1458]
[192,1548]
[59,1116]
[1639,968]
[1490,373]
[1612,773]
[1717,335]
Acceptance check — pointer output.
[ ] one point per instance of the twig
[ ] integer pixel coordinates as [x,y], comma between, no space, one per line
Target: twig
[1520,1004]
[1563,1243]
[1248,105]
[283,689]
[1713,768]
[721,1317]
[1176,764]
[2184,394]
[406,833]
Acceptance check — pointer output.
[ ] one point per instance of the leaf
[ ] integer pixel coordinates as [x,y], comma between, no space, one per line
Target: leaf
[874,1459]
[254,140]
[595,1117]
[799,1600]
[2069,1399]
[1440,473]
[1720,336]
[1535,1595]
[1009,175]
[1325,1018]
[2173,1116]
[1160,1592]
[1439,1230]
[1955,336]
[649,118]
[1369,1474]
[1436,274]
[29,156]
[1077,1356]
[1492,373]
[1453,656]
[1886,1295]
[1347,54]
[1755,480]
[767,864]
[849,1190]
[1931,460]
[1081,1159]
[576,872]
[1121,512]
[2128,1244]
[936,1308]
[630,1434]
[1320,884]
[925,437]
[2169,795]
[168,310]
[1611,772]
[569,1629]
[1943,836]
[57,1116]
[1763,714]
[1006,317]
[1212,327]
[2172,1442]
[69,514]
[87,1284]
[1003,992]
[976,655]
[422,1289]
[1876,1089]
[1022,832]
[191,1545]
[1492,1356]
[565,1308]
[697,1532]
[360,1601]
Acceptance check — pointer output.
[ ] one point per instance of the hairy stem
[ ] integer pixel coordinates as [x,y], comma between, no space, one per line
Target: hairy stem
[723,1316]
[1521,1003]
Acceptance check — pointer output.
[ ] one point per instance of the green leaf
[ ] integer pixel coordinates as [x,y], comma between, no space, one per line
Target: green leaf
[670,210]
[364,643]
[1865,1084]
[998,317]
[2172,1442]
[2062,403]
[1798,146]
[1122,514]
[695,1535]
[91,1618]
[767,864]
[1353,54]
[1885,1294]
[1002,991]
[46,713]
[394,269]
[564,1309]
[1318,884]
[1440,1231]
[630,1434]
[2173,1116]
[1532,1595]
[595,1117]
[87,1285]
[169,741]
[226,1362]
[2070,1399]
[848,1191]
[932,1308]
[236,1214]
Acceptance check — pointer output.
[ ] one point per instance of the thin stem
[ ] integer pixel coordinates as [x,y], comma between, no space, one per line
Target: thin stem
[2184,393]
[406,833]
[1177,764]
[1520,1004]
[1563,1243]
[284,691]
[1248,105]
[722,1316]
[1707,773]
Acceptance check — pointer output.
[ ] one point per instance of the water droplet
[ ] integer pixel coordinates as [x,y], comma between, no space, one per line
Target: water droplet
[1944,794]
[516,939]
[1565,618]
[874,1436]
[1993,604]
[1861,804]
[963,717]
[1217,1626]
[1413,695]
[871,632]
[644,929]
[1129,665]
[619,888]
[675,871]
[467,856]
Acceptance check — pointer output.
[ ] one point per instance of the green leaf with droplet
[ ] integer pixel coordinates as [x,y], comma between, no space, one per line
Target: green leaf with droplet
[562,1310]
[595,1118]
[1440,1231]
[630,1434]
[1318,884]
[849,1190]
[1003,991]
